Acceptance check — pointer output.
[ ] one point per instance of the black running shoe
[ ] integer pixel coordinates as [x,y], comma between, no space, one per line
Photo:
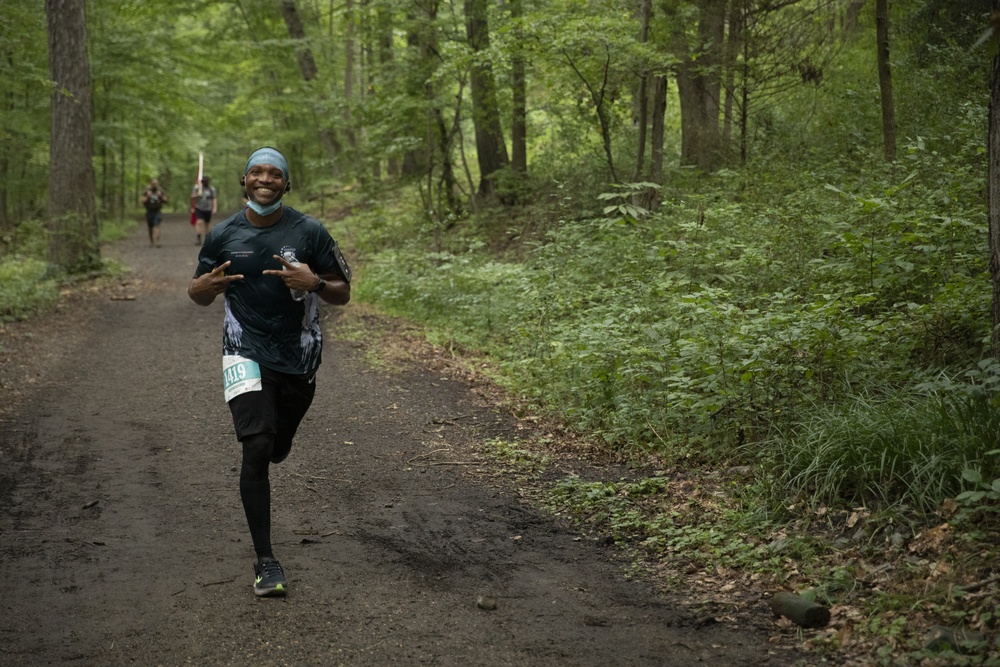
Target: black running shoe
[270,579]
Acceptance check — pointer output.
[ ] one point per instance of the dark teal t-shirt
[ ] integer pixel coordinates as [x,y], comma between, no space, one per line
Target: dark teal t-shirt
[262,321]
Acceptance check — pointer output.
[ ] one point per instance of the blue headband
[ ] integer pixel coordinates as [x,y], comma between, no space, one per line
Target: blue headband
[267,155]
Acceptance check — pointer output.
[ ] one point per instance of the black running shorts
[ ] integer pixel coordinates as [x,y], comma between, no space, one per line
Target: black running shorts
[277,408]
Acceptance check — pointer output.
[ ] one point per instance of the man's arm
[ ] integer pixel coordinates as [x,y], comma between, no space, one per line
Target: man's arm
[337,291]
[204,288]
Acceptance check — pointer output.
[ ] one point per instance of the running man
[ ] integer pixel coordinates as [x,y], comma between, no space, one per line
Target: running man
[272,343]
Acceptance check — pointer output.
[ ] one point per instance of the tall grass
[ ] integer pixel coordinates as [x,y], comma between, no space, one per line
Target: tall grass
[910,449]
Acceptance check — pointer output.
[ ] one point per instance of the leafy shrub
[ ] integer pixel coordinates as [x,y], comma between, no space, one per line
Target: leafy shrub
[913,448]
[25,287]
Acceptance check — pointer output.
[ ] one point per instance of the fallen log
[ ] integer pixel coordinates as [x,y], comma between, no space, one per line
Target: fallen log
[800,610]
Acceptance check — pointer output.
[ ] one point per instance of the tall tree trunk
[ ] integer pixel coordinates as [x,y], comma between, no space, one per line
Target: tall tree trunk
[386,57]
[447,186]
[698,85]
[657,135]
[307,67]
[993,193]
[519,120]
[490,147]
[421,43]
[350,47]
[851,16]
[645,13]
[744,101]
[5,172]
[733,38]
[72,216]
[885,79]
[121,177]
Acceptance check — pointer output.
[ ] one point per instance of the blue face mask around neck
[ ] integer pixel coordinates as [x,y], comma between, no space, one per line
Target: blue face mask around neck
[264,210]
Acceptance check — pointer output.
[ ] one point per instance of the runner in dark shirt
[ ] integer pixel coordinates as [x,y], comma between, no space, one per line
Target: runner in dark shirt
[274,265]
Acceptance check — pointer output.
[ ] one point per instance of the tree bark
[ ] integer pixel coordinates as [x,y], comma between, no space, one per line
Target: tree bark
[309,71]
[885,79]
[386,61]
[993,194]
[491,150]
[645,13]
[350,46]
[422,49]
[72,214]
[699,87]
[519,124]
[733,39]
[657,135]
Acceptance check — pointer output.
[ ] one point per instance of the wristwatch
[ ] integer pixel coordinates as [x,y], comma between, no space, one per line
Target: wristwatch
[320,285]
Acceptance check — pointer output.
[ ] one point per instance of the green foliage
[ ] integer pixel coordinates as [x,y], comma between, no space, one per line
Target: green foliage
[912,449]
[518,457]
[115,230]
[628,511]
[774,311]
[25,288]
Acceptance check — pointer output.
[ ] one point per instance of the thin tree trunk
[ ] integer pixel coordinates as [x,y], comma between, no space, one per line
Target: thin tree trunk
[307,67]
[733,38]
[993,195]
[657,135]
[851,16]
[386,58]
[744,102]
[885,79]
[138,170]
[72,215]
[519,124]
[645,12]
[121,178]
[421,41]
[350,47]
[5,175]
[597,95]
[699,87]
[490,147]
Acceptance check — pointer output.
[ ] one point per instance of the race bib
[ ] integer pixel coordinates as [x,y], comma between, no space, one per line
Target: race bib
[239,375]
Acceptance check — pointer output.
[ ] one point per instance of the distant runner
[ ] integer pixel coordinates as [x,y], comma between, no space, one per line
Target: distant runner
[153,198]
[205,202]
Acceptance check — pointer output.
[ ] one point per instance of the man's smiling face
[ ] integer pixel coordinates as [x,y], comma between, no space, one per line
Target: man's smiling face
[265,184]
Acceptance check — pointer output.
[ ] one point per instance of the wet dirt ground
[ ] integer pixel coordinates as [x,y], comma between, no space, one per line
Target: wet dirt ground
[123,541]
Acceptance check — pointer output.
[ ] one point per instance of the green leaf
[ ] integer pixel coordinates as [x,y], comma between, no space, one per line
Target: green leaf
[972,475]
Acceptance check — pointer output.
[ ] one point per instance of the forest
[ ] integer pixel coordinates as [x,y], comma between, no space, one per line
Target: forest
[745,244]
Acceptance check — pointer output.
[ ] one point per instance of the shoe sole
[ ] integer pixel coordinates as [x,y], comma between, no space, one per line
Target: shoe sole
[277,591]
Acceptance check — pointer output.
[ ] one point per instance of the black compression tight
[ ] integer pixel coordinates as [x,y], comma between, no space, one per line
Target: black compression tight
[255,490]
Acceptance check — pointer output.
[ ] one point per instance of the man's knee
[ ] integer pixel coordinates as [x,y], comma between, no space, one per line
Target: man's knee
[257,451]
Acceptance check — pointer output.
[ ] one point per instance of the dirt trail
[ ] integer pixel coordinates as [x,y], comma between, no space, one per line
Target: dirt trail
[123,541]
